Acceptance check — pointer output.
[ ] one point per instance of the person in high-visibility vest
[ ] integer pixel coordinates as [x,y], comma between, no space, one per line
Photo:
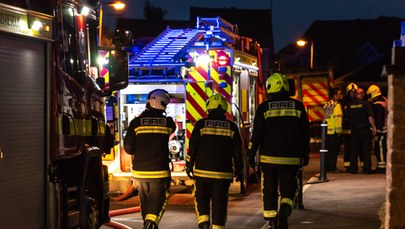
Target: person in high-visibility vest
[215,151]
[147,140]
[380,108]
[281,134]
[333,117]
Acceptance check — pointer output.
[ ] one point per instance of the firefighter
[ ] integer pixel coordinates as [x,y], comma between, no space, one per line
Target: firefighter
[346,133]
[333,116]
[360,117]
[281,133]
[214,145]
[380,108]
[147,140]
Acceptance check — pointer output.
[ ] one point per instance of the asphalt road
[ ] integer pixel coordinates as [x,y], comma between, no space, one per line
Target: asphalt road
[337,200]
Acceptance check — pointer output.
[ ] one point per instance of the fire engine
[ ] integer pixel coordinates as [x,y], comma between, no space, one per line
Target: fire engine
[192,64]
[312,89]
[53,131]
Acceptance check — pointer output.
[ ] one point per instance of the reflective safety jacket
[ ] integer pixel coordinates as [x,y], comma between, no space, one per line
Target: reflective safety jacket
[147,139]
[380,108]
[280,132]
[333,116]
[215,144]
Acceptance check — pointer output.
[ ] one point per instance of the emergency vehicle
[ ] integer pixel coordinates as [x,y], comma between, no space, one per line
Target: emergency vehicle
[53,131]
[192,64]
[312,89]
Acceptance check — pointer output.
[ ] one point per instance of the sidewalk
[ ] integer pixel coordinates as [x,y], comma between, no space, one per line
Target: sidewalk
[344,201]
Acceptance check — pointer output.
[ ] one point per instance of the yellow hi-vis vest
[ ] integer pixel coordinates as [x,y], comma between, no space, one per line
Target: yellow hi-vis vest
[333,116]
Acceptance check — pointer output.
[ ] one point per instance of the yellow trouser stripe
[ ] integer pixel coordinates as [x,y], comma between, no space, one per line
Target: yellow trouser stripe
[280,160]
[203,218]
[270,214]
[287,201]
[152,217]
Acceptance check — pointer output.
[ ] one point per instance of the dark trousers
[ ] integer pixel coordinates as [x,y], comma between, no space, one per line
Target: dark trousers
[207,189]
[347,149]
[380,149]
[275,179]
[333,146]
[154,196]
[361,147]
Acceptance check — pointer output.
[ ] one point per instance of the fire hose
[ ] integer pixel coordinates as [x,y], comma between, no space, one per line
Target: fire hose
[123,211]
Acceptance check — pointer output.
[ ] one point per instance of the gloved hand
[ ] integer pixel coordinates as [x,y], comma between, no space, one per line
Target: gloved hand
[239,175]
[190,173]
[305,160]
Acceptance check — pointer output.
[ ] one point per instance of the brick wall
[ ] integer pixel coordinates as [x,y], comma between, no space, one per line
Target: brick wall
[395,193]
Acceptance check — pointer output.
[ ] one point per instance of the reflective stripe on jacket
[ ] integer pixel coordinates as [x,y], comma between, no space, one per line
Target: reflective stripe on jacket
[333,116]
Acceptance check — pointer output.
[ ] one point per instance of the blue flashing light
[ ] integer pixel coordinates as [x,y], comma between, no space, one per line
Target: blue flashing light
[222,85]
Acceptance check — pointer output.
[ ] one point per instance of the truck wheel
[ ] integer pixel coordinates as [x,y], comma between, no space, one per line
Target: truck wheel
[89,215]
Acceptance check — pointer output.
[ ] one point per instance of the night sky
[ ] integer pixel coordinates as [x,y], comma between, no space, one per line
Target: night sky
[291,18]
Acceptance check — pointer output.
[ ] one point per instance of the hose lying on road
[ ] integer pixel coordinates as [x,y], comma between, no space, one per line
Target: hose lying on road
[123,211]
[117,225]
[125,194]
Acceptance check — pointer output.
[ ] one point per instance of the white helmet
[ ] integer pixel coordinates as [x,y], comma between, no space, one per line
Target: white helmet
[158,99]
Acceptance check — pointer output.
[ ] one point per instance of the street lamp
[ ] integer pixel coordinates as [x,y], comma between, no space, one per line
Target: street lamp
[118,5]
[302,43]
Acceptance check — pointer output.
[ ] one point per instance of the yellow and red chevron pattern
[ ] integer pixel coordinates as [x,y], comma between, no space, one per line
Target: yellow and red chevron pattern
[315,95]
[202,83]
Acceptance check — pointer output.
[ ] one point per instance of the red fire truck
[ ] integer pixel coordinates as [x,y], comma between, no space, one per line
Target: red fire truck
[192,64]
[53,131]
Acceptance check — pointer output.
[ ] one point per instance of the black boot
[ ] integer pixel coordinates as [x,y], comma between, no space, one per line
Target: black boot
[205,225]
[273,224]
[150,225]
[284,213]
[282,223]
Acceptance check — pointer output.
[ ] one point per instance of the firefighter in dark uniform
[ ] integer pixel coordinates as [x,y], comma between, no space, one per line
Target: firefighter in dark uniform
[214,158]
[147,140]
[281,133]
[346,133]
[380,108]
[360,117]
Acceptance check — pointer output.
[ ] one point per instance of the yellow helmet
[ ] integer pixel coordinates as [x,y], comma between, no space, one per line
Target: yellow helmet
[373,91]
[216,101]
[276,82]
[351,87]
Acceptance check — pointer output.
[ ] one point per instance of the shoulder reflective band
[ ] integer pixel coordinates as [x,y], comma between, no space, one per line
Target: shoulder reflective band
[212,174]
[282,113]
[280,160]
[217,131]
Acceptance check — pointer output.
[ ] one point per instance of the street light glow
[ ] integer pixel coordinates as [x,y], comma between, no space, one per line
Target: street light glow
[301,43]
[118,5]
